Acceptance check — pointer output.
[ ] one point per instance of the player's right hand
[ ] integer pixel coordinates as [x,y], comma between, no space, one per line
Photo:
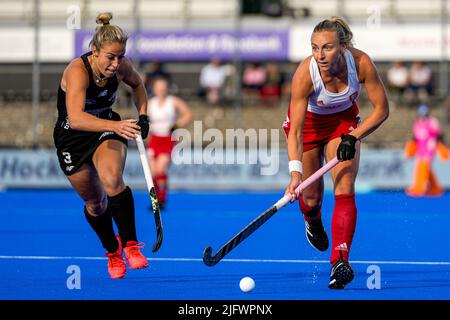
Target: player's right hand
[143,123]
[296,179]
[127,129]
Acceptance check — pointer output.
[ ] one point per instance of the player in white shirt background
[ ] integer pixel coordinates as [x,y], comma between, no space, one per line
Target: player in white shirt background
[166,112]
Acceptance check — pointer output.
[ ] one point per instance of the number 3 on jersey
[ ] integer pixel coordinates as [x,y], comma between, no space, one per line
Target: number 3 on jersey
[67,158]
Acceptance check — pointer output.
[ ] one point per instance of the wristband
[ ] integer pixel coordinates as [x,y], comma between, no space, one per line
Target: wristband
[295,165]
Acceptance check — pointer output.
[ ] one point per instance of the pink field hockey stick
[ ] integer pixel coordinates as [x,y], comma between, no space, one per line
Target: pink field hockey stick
[211,260]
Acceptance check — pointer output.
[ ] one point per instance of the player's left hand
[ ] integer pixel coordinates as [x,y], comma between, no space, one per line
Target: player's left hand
[144,124]
[347,149]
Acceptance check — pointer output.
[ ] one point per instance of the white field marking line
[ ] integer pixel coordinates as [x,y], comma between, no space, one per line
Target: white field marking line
[444,263]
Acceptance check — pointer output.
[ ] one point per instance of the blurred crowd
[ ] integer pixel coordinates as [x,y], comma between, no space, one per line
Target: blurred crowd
[218,81]
[266,83]
[410,84]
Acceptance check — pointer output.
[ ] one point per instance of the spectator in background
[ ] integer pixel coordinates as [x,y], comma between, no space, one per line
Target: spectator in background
[271,89]
[398,79]
[212,80]
[420,80]
[253,79]
[156,70]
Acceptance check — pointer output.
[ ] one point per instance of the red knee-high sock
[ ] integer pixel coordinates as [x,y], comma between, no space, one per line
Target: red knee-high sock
[309,214]
[343,226]
[161,181]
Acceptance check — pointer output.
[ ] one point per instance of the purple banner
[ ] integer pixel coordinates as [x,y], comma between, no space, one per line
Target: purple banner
[201,45]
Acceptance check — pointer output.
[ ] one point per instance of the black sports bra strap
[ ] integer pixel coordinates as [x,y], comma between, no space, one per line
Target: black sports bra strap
[84,57]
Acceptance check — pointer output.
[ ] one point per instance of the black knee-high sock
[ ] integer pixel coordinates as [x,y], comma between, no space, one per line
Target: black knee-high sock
[103,227]
[122,211]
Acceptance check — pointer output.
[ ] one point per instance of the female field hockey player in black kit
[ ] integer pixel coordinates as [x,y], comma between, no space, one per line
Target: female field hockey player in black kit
[91,141]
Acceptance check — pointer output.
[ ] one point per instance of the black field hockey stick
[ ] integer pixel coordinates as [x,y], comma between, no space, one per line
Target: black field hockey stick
[212,260]
[152,193]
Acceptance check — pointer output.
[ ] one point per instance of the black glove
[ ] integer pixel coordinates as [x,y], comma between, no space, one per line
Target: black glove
[143,123]
[346,149]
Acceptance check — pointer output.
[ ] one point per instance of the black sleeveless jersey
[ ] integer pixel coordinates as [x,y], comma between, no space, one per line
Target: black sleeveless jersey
[98,99]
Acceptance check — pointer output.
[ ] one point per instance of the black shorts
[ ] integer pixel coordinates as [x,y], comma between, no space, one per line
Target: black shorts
[75,147]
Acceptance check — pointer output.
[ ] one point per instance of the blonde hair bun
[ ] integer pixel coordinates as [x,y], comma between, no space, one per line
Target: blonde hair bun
[103,18]
[107,32]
